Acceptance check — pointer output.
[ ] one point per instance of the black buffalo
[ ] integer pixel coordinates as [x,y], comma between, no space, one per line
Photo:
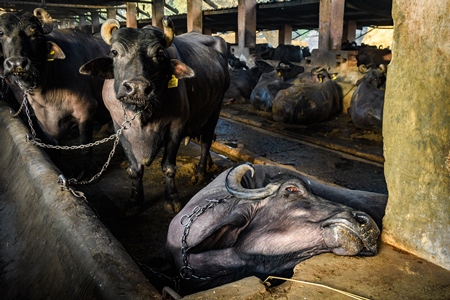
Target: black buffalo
[281,52]
[366,105]
[373,56]
[44,63]
[266,221]
[175,84]
[314,97]
[242,82]
[270,83]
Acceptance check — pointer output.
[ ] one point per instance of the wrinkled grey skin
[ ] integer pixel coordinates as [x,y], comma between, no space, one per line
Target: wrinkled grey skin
[297,219]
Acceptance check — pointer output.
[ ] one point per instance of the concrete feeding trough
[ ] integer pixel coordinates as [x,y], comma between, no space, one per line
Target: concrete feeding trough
[52,246]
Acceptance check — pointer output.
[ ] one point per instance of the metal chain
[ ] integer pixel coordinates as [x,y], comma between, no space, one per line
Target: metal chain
[186,271]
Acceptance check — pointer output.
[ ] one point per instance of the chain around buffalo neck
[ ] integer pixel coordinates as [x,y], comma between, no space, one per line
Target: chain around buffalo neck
[186,271]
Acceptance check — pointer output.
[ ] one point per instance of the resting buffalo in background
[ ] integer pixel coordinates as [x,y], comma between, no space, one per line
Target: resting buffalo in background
[373,56]
[242,82]
[314,97]
[282,52]
[270,83]
[366,105]
[44,63]
[266,221]
[175,83]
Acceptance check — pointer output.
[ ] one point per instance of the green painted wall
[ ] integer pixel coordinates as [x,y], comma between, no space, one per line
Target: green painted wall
[416,131]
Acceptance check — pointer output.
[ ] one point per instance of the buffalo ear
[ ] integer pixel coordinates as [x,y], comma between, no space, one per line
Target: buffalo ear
[181,70]
[54,52]
[100,67]
[224,235]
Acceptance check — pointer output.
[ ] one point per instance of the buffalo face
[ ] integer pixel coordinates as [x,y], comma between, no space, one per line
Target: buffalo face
[268,221]
[26,49]
[140,63]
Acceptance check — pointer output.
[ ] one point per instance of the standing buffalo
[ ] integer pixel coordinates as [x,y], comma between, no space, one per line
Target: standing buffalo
[266,221]
[173,86]
[43,63]
[315,97]
[366,105]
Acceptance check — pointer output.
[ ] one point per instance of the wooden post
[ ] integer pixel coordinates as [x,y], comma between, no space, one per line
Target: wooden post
[111,13]
[349,31]
[246,24]
[83,25]
[95,22]
[336,23]
[194,16]
[207,31]
[131,15]
[285,35]
[324,25]
[331,23]
[157,13]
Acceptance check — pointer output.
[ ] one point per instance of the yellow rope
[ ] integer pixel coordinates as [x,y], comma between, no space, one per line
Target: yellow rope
[319,285]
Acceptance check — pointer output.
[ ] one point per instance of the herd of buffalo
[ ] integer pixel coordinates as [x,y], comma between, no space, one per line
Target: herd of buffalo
[158,89]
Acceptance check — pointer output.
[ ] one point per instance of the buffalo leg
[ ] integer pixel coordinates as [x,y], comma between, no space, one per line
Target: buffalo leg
[172,203]
[136,201]
[206,142]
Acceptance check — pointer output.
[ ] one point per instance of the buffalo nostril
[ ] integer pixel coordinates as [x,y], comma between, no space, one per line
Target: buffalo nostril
[129,88]
[148,89]
[16,63]
[361,218]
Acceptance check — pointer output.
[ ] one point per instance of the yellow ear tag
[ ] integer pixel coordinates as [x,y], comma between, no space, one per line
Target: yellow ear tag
[333,76]
[50,58]
[173,82]
[279,74]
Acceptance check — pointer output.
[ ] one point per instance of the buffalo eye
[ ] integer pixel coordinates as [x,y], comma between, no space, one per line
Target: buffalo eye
[1,33]
[114,52]
[292,189]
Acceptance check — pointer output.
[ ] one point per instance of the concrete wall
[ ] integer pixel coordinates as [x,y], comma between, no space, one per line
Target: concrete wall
[52,246]
[416,131]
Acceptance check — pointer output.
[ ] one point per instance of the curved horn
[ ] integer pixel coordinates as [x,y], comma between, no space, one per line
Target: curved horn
[317,70]
[363,69]
[383,68]
[45,19]
[107,29]
[169,32]
[234,186]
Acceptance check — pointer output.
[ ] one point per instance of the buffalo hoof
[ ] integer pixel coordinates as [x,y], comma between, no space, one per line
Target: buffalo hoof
[172,206]
[198,179]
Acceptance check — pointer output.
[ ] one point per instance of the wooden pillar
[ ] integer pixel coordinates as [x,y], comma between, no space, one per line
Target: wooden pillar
[131,15]
[349,33]
[337,23]
[83,25]
[157,13]
[285,35]
[194,16]
[111,13]
[246,24]
[331,23]
[95,22]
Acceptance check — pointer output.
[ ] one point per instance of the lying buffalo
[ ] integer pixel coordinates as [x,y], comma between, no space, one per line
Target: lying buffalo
[270,83]
[171,86]
[366,105]
[315,97]
[263,220]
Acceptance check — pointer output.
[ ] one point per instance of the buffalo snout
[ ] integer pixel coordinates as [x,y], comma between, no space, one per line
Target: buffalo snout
[16,64]
[351,233]
[135,90]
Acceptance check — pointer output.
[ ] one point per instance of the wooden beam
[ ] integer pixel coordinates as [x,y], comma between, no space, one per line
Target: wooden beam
[285,35]
[157,13]
[336,23]
[246,24]
[131,15]
[194,16]
[324,25]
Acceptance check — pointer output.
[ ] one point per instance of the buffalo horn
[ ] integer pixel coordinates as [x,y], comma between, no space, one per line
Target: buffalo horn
[168,31]
[45,19]
[107,29]
[383,68]
[234,186]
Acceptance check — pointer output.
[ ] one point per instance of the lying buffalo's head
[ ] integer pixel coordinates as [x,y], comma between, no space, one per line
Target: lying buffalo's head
[373,75]
[264,225]
[140,62]
[25,47]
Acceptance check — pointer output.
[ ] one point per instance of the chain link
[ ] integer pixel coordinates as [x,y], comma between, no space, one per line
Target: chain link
[186,271]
